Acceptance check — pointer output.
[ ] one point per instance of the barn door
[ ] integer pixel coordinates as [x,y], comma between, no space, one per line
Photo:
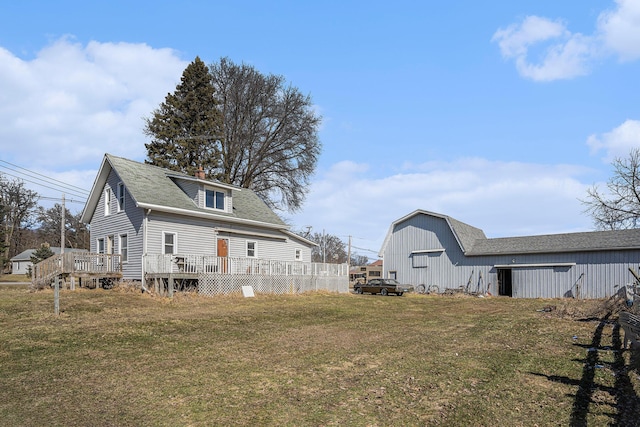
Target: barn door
[505,283]
[223,252]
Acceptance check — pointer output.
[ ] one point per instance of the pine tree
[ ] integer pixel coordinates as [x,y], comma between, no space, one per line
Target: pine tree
[42,253]
[187,127]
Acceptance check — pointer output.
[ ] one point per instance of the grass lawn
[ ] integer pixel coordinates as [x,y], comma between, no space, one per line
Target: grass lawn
[15,278]
[129,359]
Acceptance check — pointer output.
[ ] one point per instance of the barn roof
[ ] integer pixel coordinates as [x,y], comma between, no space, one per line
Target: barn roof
[567,242]
[473,241]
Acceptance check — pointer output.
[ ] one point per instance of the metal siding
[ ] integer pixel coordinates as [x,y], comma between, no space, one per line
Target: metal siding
[605,272]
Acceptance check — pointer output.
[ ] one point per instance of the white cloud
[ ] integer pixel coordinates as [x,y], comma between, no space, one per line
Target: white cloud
[618,142]
[502,198]
[566,54]
[72,103]
[620,29]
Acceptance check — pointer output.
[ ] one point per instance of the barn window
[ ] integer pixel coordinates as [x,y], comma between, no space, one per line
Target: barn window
[420,258]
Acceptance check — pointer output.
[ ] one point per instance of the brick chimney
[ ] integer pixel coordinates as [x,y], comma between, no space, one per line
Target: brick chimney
[200,173]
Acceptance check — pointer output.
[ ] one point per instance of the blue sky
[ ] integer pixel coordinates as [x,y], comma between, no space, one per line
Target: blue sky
[498,113]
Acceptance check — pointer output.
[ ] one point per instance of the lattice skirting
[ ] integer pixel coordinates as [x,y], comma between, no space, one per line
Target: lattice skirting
[216,284]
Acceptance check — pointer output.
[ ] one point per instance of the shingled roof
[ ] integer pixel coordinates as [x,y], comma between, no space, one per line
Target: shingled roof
[152,187]
[553,243]
[473,241]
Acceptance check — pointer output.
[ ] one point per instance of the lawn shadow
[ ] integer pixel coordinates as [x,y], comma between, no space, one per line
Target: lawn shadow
[627,401]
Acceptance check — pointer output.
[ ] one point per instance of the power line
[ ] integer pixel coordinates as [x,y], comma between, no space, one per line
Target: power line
[40,184]
[60,199]
[30,172]
[364,249]
[48,180]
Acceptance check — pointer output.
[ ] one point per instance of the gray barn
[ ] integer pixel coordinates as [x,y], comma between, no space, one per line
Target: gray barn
[426,248]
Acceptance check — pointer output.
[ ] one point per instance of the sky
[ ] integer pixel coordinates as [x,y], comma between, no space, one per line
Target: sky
[500,114]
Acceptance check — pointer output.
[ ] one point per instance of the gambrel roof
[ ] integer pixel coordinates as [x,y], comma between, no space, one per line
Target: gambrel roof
[156,188]
[465,234]
[473,242]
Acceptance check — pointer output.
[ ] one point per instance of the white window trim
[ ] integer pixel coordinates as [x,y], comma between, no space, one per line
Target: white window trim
[297,254]
[255,248]
[98,250]
[120,246]
[107,201]
[225,198]
[175,242]
[121,196]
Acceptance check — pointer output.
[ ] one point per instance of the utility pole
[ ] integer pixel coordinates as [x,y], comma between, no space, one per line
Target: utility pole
[58,280]
[349,255]
[62,228]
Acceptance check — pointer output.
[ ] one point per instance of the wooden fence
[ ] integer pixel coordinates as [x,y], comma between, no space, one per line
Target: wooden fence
[77,265]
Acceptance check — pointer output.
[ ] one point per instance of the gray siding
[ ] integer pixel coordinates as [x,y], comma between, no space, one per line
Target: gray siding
[199,236]
[129,222]
[414,252]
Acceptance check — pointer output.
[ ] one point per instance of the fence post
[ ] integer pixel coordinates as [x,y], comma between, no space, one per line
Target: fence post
[56,296]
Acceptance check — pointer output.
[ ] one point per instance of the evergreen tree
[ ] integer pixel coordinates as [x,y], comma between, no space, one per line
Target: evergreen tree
[187,127]
[42,253]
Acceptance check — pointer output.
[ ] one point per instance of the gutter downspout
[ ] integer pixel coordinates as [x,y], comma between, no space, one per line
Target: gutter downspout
[144,248]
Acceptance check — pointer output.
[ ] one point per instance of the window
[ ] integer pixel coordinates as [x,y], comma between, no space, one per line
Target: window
[251,249]
[120,196]
[214,199]
[298,255]
[100,246]
[109,247]
[107,201]
[170,243]
[124,247]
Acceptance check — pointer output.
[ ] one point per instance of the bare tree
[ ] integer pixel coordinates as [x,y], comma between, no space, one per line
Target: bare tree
[357,259]
[619,206]
[270,142]
[18,206]
[330,248]
[76,233]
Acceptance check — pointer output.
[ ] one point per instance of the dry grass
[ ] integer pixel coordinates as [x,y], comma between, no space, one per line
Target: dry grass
[123,358]
[14,278]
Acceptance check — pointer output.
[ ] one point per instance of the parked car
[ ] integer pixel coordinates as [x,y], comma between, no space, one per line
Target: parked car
[382,287]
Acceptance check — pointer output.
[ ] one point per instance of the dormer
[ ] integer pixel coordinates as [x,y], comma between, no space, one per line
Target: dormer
[210,195]
[217,198]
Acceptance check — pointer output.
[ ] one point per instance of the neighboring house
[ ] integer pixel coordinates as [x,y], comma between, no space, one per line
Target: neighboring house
[364,273]
[426,248]
[137,209]
[20,263]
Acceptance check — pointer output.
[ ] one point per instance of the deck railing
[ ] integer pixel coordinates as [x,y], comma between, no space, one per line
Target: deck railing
[202,264]
[77,263]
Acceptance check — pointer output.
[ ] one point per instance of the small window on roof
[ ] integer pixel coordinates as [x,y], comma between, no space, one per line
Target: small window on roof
[214,199]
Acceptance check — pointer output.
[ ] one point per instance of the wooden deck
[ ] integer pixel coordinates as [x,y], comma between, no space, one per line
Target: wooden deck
[78,266]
